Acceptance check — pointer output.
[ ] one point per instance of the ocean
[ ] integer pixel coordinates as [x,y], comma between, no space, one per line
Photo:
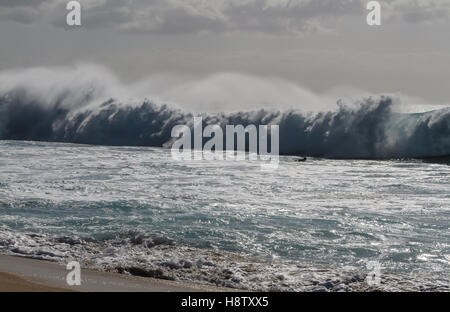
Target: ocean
[319,225]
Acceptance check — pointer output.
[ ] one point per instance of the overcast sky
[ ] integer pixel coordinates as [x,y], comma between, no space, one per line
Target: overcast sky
[324,45]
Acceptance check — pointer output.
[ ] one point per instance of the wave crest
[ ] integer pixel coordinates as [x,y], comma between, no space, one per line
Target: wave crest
[81,112]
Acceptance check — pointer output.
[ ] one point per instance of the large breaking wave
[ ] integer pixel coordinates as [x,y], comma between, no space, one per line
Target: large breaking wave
[46,105]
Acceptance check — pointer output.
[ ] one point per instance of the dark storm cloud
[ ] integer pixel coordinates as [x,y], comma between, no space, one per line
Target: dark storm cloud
[23,15]
[22,11]
[194,16]
[16,3]
[425,11]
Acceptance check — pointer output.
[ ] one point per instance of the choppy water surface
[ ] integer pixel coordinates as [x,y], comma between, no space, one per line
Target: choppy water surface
[304,226]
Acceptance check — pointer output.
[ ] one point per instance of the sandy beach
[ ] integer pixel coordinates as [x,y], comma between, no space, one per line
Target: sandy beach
[18,274]
[14,283]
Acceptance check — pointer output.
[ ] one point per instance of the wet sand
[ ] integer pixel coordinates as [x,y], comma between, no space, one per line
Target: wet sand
[13,283]
[20,274]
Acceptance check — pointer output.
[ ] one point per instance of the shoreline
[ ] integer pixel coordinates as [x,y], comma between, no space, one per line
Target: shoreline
[21,274]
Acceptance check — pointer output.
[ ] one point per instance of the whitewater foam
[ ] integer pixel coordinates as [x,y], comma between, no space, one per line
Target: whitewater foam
[137,211]
[130,253]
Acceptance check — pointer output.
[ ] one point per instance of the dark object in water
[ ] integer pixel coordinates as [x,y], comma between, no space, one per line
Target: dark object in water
[442,160]
[301,159]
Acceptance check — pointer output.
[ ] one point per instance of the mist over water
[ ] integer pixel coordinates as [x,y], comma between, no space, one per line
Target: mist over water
[89,105]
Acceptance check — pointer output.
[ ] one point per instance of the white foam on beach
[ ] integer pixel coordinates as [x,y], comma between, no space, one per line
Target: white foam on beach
[153,256]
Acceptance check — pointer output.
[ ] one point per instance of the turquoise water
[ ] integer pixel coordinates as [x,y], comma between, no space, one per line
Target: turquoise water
[300,226]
